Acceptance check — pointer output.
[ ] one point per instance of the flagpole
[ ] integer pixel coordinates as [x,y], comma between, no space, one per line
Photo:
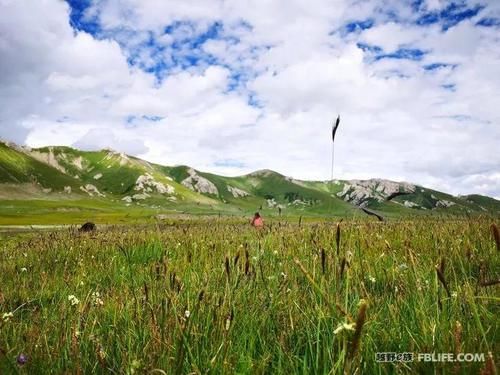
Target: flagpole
[334,131]
[333,152]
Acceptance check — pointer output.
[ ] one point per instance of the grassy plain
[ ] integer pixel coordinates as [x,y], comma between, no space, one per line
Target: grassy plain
[216,296]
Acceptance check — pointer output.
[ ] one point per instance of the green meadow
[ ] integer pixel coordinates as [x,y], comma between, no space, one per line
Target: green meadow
[214,295]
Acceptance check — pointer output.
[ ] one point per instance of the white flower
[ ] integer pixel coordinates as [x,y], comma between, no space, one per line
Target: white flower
[454,294]
[73,300]
[96,297]
[187,314]
[372,279]
[24,269]
[7,316]
[344,326]
[283,275]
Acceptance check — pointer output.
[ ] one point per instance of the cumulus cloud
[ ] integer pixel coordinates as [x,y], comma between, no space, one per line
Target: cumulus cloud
[104,138]
[206,82]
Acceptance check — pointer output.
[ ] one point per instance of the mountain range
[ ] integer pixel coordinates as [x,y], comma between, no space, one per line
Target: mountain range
[61,182]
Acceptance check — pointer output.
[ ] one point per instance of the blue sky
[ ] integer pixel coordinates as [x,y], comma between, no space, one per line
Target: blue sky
[230,87]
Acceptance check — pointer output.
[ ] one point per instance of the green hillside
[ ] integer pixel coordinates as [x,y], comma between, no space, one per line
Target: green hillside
[62,184]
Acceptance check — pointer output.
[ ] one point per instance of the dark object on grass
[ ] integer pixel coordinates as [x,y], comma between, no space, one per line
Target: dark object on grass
[21,359]
[88,227]
[369,212]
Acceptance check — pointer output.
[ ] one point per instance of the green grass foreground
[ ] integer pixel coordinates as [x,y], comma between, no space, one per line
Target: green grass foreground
[220,297]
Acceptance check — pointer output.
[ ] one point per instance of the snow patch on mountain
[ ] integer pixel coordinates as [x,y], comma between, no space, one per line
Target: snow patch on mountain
[359,192]
[199,183]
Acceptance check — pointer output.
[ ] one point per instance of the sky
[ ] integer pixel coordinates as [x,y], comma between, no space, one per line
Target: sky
[230,86]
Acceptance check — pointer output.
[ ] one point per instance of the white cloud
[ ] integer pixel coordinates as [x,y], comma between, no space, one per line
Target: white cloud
[436,127]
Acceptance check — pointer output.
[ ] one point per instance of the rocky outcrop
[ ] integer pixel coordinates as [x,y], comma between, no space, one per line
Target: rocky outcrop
[91,190]
[199,183]
[147,183]
[48,158]
[360,192]
[237,193]
[443,203]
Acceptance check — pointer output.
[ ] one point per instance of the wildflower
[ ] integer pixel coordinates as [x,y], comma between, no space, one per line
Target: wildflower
[283,275]
[73,300]
[403,266]
[7,316]
[187,314]
[21,359]
[24,269]
[275,252]
[454,294]
[372,279]
[344,327]
[96,297]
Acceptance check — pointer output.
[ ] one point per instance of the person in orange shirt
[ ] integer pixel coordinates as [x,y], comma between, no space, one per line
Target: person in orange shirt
[257,221]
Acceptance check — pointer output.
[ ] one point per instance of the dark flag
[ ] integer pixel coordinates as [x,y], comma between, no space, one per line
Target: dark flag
[334,128]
